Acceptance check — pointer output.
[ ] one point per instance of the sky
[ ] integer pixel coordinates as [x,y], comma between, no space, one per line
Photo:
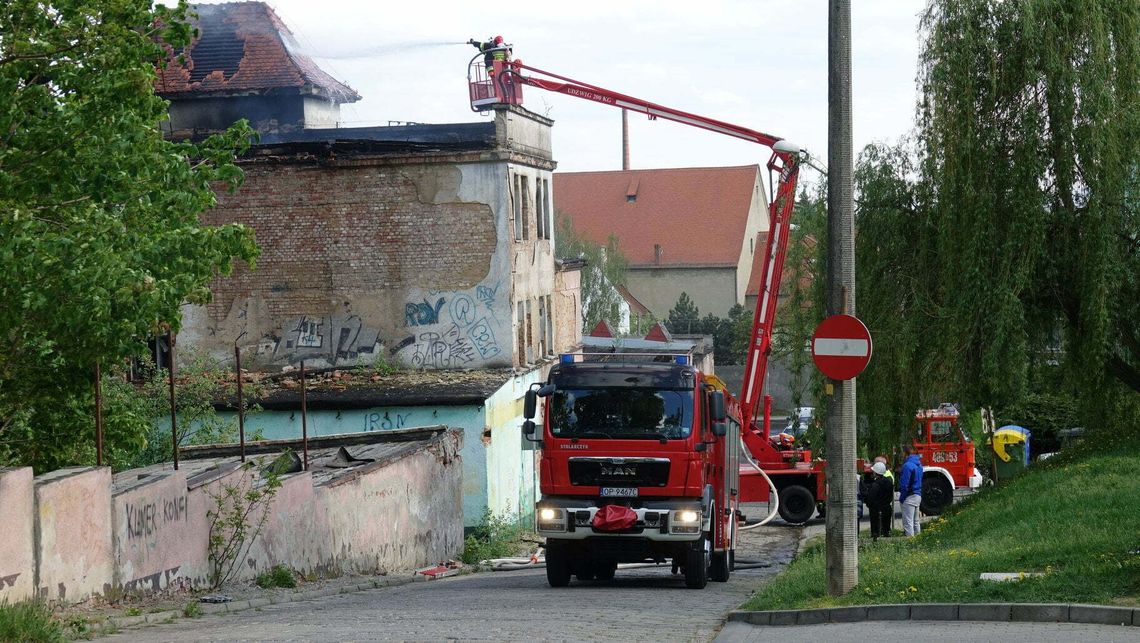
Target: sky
[756,63]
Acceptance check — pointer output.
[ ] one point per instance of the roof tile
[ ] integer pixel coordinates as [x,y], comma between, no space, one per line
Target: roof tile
[244,47]
[697,216]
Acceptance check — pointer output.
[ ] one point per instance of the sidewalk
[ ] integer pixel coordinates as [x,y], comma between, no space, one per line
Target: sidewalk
[930,632]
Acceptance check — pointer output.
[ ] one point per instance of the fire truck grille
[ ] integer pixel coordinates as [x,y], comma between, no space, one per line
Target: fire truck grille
[599,473]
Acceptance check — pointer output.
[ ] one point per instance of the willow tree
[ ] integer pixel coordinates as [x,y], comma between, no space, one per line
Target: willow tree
[1006,238]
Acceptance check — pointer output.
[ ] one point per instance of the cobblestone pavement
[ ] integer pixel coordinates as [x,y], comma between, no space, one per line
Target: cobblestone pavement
[931,632]
[639,604]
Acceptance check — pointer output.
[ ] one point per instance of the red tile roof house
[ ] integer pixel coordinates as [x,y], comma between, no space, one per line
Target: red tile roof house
[690,230]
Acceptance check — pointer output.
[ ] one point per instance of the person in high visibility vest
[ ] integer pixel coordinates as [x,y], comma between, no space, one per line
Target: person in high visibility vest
[493,49]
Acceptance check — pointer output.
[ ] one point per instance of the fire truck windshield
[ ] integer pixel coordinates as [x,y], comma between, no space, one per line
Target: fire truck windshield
[622,413]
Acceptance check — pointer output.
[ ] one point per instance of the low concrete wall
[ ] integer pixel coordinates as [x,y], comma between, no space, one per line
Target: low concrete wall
[74,548]
[152,534]
[17,535]
[64,536]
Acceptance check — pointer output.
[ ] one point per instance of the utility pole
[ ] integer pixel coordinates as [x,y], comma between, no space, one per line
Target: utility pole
[842,525]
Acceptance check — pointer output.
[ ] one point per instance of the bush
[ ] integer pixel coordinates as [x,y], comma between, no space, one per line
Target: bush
[279,576]
[495,537]
[31,621]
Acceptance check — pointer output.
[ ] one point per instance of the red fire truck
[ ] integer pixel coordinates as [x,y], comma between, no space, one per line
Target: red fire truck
[641,461]
[947,457]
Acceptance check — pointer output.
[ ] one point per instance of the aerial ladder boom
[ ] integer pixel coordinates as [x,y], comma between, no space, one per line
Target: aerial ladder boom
[502,84]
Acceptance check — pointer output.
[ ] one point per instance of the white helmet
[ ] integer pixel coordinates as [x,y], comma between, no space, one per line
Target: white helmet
[879,468]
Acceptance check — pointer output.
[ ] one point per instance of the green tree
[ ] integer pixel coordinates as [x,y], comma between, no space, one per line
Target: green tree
[100,237]
[1003,242]
[684,317]
[604,272]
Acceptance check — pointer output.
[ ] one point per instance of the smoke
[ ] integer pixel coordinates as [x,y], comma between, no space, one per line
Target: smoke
[372,51]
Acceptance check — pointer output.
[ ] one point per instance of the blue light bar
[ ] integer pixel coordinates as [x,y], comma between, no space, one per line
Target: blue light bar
[681,359]
[566,358]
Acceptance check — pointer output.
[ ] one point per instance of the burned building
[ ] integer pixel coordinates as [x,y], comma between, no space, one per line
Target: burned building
[245,63]
[430,246]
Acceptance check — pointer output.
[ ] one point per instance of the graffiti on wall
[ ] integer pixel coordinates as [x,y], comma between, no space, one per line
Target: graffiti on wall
[157,581]
[422,314]
[376,421]
[9,580]
[334,338]
[469,337]
[144,519]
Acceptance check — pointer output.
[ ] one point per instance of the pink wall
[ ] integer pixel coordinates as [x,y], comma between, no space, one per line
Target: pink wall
[153,533]
[17,535]
[74,514]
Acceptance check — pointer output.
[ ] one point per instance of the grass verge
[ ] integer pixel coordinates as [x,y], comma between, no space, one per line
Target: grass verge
[1072,518]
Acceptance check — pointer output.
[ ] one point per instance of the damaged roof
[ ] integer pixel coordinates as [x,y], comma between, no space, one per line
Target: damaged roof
[333,459]
[244,48]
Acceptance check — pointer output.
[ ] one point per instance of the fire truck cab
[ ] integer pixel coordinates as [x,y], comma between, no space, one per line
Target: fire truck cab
[947,455]
[638,465]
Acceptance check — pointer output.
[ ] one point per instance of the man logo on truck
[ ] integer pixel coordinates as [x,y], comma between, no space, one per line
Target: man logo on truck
[618,471]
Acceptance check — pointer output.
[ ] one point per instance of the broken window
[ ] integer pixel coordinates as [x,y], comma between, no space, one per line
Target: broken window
[526,207]
[549,329]
[529,336]
[539,211]
[542,343]
[520,315]
[516,197]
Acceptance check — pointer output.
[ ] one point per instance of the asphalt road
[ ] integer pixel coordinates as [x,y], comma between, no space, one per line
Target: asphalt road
[639,604]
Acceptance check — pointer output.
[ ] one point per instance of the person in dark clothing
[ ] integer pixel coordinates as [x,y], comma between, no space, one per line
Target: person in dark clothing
[879,494]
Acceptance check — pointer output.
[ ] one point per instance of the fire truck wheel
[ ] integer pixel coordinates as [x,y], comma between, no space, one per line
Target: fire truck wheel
[605,569]
[796,504]
[937,494]
[557,565]
[697,565]
[719,568]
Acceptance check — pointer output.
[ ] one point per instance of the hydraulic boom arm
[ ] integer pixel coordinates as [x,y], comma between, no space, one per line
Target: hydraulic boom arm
[503,84]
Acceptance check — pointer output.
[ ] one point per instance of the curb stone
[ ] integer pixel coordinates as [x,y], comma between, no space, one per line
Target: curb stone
[122,622]
[1021,612]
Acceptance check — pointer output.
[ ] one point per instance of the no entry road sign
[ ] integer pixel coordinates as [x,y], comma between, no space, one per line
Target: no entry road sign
[841,347]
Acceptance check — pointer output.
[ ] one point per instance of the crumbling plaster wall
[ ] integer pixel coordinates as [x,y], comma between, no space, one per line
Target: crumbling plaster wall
[405,263]
[66,533]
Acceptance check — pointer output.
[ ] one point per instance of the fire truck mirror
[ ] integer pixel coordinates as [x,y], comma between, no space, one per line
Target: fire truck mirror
[720,429]
[530,403]
[528,427]
[716,407]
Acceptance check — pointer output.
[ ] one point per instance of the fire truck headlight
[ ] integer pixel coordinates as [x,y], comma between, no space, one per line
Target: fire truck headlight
[688,516]
[551,519]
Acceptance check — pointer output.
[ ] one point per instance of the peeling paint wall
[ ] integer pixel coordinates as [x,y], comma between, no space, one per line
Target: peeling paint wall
[511,482]
[409,259]
[153,535]
[567,310]
[17,535]
[74,548]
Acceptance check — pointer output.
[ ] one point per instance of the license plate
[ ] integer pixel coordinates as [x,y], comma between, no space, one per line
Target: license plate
[620,492]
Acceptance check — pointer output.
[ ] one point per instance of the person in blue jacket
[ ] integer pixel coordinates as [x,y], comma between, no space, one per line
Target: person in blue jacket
[910,491]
